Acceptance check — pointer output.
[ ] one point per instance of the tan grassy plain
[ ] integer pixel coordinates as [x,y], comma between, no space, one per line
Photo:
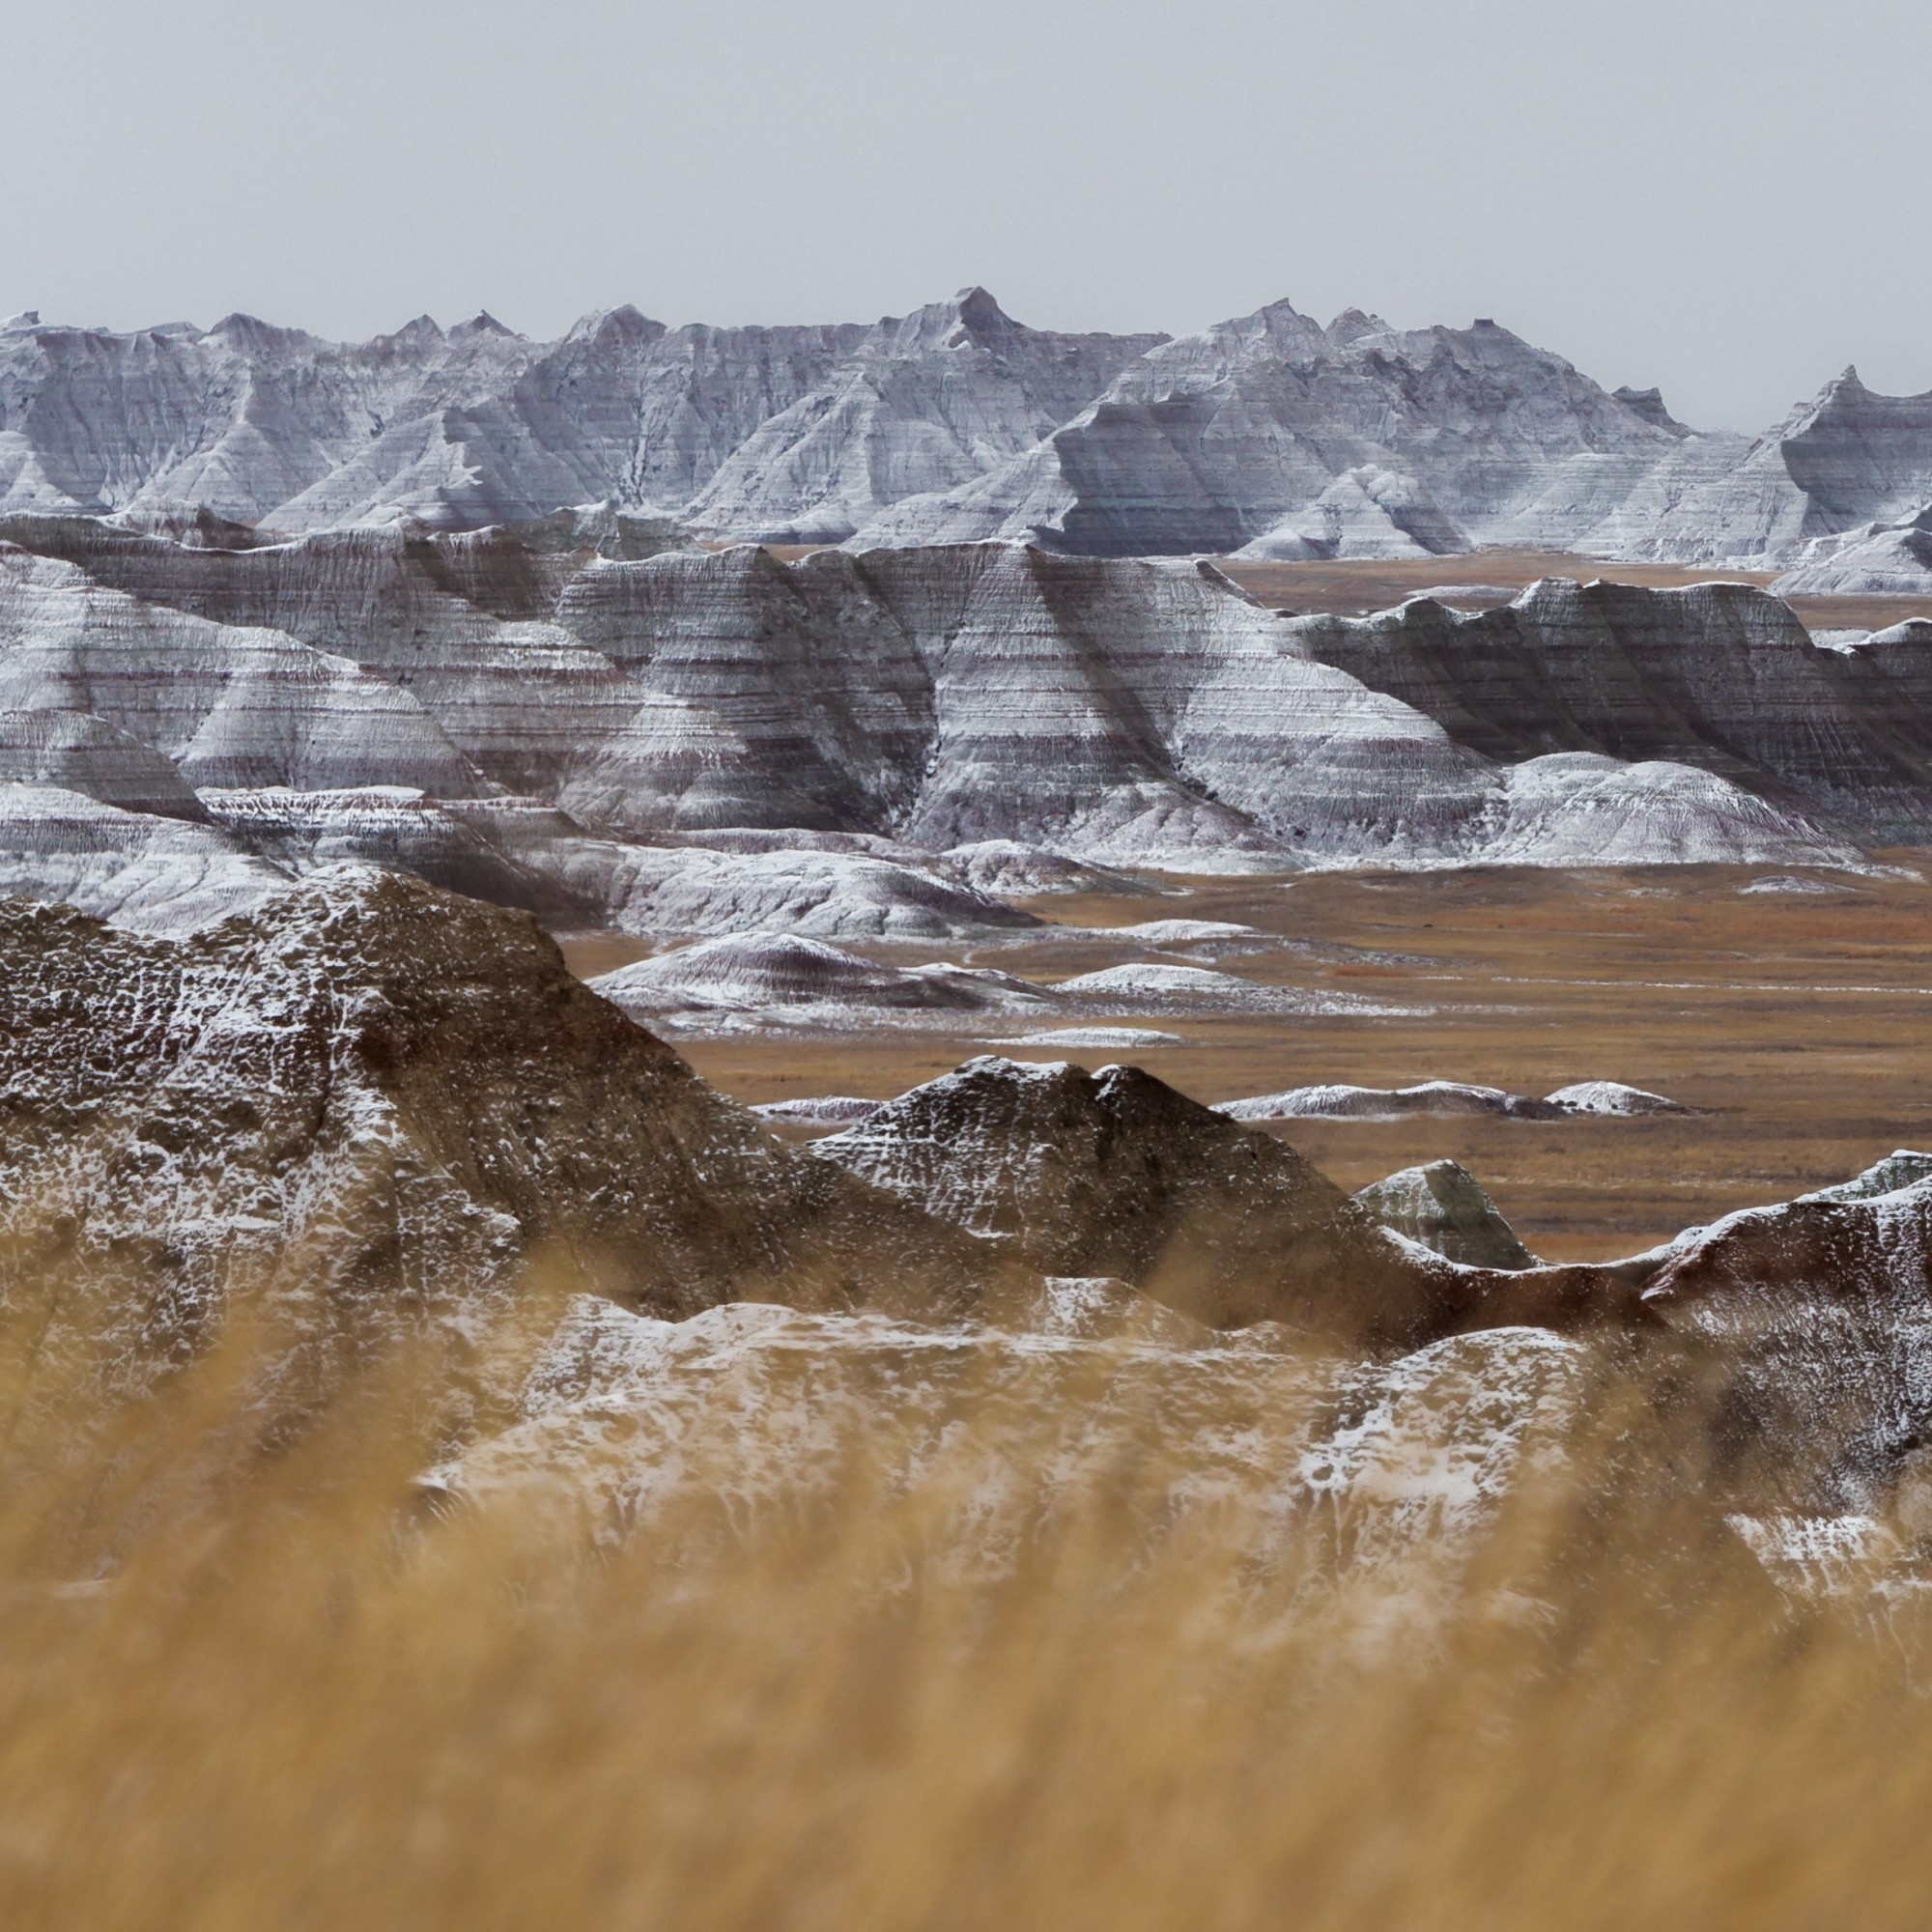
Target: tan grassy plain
[301,1707]
[1801,1025]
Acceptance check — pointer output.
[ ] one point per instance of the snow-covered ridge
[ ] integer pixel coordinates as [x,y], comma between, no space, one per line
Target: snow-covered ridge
[954,422]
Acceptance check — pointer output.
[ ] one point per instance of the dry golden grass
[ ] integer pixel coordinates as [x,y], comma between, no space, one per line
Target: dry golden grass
[302,1707]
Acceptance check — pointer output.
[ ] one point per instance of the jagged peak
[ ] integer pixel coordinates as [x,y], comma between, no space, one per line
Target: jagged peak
[626,322]
[482,323]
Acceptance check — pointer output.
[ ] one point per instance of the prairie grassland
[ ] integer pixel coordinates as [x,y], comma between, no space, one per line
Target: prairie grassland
[1797,1024]
[288,1698]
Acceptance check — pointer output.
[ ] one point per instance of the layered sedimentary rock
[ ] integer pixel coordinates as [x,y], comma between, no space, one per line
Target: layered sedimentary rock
[144,871]
[370,1105]
[954,422]
[764,973]
[869,745]
[921,405]
[1722,676]
[1892,559]
[1213,440]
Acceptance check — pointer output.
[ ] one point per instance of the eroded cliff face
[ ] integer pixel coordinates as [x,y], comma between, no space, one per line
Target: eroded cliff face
[558,728]
[369,1109]
[955,423]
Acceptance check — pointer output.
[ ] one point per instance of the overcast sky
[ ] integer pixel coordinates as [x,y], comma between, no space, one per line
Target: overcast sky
[1724,198]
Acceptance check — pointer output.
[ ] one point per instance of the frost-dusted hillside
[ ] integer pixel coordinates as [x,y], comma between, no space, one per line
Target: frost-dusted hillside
[1269,432]
[881,744]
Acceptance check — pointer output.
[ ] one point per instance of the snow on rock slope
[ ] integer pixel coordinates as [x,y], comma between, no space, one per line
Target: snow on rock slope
[1722,678]
[1115,1174]
[1211,441]
[1444,1207]
[1365,512]
[782,972]
[73,751]
[146,872]
[227,706]
[748,1415]
[1613,1098]
[921,405]
[1873,560]
[1814,1323]
[907,731]
[367,1104]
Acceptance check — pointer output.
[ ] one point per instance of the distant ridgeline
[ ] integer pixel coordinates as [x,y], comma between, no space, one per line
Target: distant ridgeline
[956,423]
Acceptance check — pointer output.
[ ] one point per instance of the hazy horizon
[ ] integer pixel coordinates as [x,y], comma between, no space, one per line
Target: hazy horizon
[1623,185]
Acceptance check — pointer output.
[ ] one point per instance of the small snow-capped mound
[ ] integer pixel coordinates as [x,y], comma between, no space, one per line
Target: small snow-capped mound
[1794,885]
[1099,1039]
[1611,1096]
[1157,983]
[132,869]
[1445,1207]
[1115,1174]
[825,1110]
[1161,932]
[820,895]
[1006,868]
[1876,561]
[754,971]
[1441,1098]
[1583,809]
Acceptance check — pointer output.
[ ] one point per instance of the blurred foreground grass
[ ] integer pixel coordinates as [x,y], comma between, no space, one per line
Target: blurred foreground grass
[253,1685]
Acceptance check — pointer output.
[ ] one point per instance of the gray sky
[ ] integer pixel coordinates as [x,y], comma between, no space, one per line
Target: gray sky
[1721,198]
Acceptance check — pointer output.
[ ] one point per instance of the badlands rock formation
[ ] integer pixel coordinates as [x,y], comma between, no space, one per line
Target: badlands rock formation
[1873,560]
[369,1105]
[372,1113]
[868,746]
[1115,1174]
[748,1415]
[782,972]
[953,422]
[1446,1099]
[1444,1207]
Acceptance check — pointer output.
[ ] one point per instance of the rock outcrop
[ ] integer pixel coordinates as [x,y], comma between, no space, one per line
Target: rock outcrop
[368,1106]
[1444,1208]
[1813,1322]
[1115,1174]
[1394,1476]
